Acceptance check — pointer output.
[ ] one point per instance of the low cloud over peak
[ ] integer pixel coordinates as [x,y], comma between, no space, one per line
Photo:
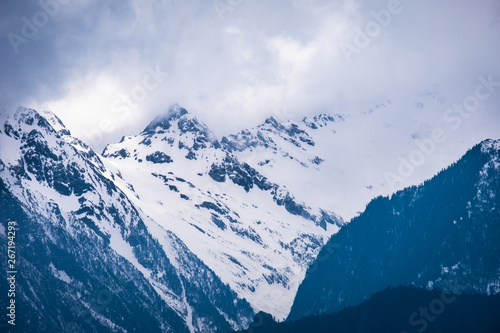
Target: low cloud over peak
[234,63]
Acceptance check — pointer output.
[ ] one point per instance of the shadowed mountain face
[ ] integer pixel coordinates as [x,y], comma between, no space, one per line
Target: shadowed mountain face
[88,259]
[447,229]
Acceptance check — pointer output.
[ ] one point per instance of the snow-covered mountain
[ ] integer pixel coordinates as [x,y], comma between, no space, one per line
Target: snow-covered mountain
[197,232]
[342,159]
[88,259]
[249,229]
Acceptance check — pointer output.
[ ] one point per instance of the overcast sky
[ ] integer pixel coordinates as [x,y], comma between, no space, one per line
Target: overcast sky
[109,67]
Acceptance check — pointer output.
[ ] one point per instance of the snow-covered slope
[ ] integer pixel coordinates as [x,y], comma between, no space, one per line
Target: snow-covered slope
[342,161]
[253,209]
[251,231]
[87,256]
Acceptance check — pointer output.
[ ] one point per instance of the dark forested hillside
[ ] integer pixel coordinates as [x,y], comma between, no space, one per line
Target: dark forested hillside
[398,310]
[447,229]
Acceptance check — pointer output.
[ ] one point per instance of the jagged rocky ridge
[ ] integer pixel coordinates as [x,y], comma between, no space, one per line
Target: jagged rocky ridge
[88,259]
[250,230]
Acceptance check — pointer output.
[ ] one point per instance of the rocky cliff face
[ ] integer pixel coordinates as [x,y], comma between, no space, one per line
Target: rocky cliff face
[88,258]
[250,230]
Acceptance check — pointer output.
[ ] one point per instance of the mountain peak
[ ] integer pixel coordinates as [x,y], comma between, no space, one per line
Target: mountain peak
[490,145]
[174,112]
[44,119]
[176,126]
[274,123]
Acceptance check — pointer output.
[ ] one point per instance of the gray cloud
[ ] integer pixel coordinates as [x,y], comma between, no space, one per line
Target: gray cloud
[237,65]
